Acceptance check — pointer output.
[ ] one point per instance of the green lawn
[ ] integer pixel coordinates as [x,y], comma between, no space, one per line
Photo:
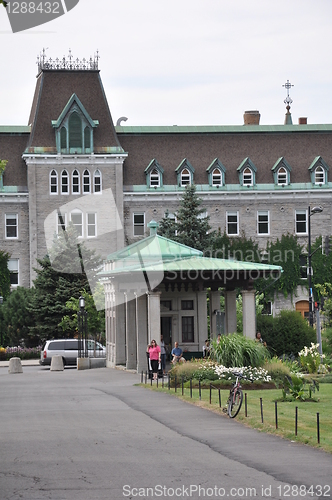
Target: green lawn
[307,412]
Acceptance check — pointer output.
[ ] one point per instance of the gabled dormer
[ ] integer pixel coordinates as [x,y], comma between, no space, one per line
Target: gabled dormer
[185,173]
[318,171]
[74,129]
[154,174]
[281,172]
[216,173]
[247,173]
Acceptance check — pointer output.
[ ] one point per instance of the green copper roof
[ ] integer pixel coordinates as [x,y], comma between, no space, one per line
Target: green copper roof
[14,129]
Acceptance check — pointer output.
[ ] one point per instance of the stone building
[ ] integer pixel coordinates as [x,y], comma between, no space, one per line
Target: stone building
[71,163]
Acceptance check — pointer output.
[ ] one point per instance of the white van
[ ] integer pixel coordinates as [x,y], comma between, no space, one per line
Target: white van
[68,350]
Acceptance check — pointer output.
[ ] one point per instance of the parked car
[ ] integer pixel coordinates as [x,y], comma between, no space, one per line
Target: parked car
[68,349]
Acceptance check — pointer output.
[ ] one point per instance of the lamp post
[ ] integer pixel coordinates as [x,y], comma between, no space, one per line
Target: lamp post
[314,210]
[82,329]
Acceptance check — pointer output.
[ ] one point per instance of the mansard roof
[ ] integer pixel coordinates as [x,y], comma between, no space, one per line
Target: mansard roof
[53,91]
[74,99]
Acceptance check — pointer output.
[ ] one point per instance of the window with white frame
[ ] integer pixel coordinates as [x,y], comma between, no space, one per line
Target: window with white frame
[247,177]
[319,175]
[77,220]
[185,177]
[97,181]
[300,221]
[139,224]
[216,177]
[54,182]
[232,223]
[11,223]
[86,182]
[188,334]
[154,178]
[91,225]
[61,222]
[64,182]
[13,267]
[76,188]
[282,176]
[263,223]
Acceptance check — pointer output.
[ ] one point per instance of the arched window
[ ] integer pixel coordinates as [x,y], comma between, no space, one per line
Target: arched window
[97,181]
[282,176]
[87,138]
[75,131]
[154,178]
[64,182]
[76,182]
[63,138]
[319,175]
[54,182]
[216,177]
[86,182]
[247,177]
[185,177]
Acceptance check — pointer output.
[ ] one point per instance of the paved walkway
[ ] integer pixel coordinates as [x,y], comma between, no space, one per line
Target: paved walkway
[94,435]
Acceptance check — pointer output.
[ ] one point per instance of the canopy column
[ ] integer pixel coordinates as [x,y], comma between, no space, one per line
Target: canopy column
[249,313]
[131,329]
[214,309]
[230,311]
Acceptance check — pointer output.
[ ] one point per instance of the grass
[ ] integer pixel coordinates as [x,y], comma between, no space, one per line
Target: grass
[307,412]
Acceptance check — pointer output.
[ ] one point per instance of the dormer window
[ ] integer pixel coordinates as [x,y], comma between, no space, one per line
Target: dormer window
[154,174]
[185,173]
[319,175]
[281,171]
[247,173]
[247,177]
[216,173]
[318,171]
[74,129]
[282,176]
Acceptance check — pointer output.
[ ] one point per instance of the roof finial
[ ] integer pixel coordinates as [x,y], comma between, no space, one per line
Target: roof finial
[288,101]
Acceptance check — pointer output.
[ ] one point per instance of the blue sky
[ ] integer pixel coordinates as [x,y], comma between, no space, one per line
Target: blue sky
[184,62]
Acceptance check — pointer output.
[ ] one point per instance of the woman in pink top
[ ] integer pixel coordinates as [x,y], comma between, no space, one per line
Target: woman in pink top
[155,357]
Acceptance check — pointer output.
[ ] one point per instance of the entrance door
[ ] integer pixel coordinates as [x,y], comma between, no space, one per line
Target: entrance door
[166,331]
[302,306]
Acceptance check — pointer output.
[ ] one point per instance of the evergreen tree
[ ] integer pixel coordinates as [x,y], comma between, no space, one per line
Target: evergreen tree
[17,320]
[4,274]
[191,228]
[61,275]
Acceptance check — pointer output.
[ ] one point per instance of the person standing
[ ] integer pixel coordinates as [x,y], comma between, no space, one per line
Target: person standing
[155,358]
[163,354]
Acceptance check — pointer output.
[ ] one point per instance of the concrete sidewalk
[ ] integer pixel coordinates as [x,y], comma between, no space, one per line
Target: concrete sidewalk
[24,362]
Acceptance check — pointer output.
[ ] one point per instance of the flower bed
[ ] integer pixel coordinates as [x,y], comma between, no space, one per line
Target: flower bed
[20,352]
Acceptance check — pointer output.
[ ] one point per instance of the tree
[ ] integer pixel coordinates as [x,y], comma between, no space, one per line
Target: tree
[167,227]
[61,275]
[17,320]
[4,274]
[191,227]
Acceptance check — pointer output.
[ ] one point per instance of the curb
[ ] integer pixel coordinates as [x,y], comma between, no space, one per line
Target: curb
[24,362]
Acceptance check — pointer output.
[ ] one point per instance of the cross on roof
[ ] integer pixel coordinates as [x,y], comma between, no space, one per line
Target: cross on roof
[288,101]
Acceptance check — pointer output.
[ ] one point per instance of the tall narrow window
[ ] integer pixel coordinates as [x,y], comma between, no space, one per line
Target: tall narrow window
[76,182]
[263,222]
[11,221]
[300,221]
[61,222]
[216,177]
[64,182]
[77,220]
[232,223]
[319,175]
[185,177]
[86,181]
[247,177]
[154,178]
[54,182]
[282,176]
[13,266]
[75,131]
[63,138]
[139,224]
[87,138]
[97,181]
[187,328]
[91,226]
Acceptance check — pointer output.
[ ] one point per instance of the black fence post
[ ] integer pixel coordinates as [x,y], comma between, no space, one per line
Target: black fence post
[261,400]
[175,382]
[191,388]
[210,392]
[142,377]
[219,398]
[245,405]
[157,380]
[296,416]
[182,384]
[199,389]
[276,413]
[146,377]
[151,380]
[169,382]
[162,382]
[318,433]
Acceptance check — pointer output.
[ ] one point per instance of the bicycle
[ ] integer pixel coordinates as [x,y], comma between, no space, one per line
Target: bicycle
[235,399]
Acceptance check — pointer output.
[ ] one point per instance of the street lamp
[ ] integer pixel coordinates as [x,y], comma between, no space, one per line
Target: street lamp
[311,211]
[82,329]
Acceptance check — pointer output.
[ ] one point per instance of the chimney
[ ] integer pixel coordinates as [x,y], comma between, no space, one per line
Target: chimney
[303,121]
[153,226]
[251,117]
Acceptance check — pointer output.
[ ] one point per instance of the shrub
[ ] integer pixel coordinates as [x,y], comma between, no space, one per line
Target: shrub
[236,350]
[310,358]
[199,369]
[286,333]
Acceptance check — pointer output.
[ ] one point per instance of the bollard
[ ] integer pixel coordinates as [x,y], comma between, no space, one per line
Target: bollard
[296,414]
[261,399]
[15,365]
[318,433]
[57,364]
[276,413]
